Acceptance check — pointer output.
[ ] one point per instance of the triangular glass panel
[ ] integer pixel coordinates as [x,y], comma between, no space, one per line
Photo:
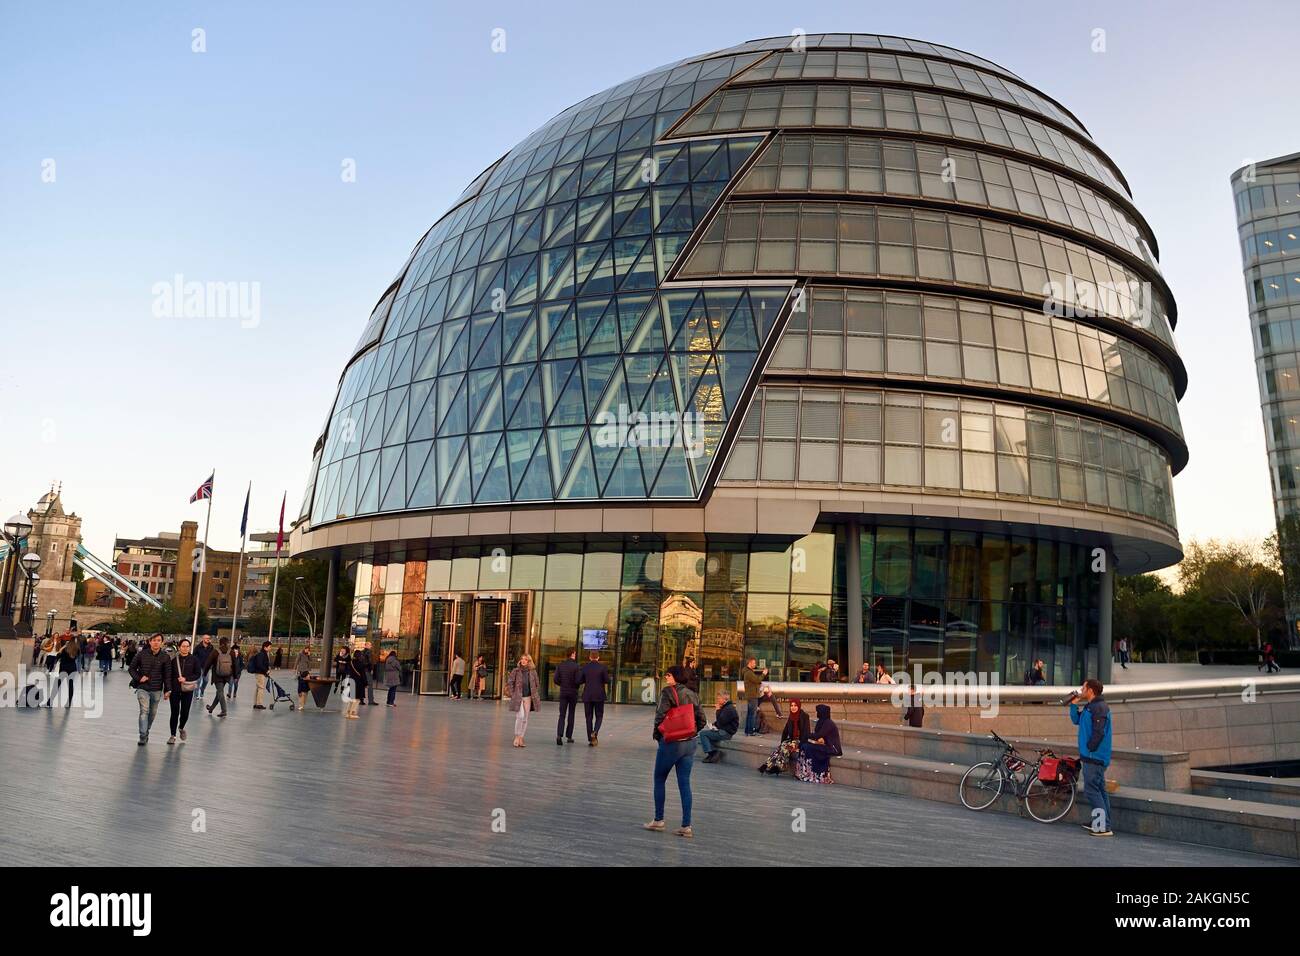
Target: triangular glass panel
[393,465]
[447,452]
[485,341]
[421,421]
[420,470]
[519,448]
[581,480]
[451,405]
[456,491]
[455,347]
[625,480]
[561,444]
[495,482]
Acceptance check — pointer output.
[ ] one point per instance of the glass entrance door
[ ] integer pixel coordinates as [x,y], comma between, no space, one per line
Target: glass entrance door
[488,620]
[439,624]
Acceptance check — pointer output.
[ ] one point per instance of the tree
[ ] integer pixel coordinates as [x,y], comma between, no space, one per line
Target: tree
[1238,574]
[169,619]
[302,603]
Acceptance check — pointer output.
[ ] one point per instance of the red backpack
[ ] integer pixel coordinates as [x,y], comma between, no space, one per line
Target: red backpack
[679,723]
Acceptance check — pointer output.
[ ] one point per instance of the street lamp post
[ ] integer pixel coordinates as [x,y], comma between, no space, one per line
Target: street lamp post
[15,529]
[293,606]
[31,564]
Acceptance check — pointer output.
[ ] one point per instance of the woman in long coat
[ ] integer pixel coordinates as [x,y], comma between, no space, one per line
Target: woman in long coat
[525,695]
[392,668]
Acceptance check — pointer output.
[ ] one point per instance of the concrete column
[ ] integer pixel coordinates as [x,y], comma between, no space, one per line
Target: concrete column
[331,592]
[853,595]
[1106,602]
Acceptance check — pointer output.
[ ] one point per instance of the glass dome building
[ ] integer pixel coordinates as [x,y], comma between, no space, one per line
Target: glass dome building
[850,347]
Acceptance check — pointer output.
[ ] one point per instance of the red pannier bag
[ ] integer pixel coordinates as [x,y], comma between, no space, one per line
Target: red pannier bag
[1058,771]
[679,723]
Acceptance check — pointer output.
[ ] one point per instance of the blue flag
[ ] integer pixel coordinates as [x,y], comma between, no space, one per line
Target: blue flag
[243,523]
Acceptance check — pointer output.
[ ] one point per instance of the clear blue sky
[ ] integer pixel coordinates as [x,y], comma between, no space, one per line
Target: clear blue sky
[226,166]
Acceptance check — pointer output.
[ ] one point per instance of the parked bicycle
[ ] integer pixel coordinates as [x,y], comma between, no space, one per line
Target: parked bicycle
[1046,787]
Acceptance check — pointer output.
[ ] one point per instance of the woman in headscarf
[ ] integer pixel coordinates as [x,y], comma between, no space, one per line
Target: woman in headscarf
[794,734]
[812,764]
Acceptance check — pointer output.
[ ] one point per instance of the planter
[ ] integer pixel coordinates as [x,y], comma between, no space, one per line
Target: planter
[320,690]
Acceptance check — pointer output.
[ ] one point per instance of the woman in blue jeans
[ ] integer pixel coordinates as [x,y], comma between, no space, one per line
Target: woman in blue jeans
[678,755]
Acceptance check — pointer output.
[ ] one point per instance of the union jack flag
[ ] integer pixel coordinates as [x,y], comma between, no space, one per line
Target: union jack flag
[205,490]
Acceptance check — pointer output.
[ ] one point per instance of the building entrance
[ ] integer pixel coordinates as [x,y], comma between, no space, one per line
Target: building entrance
[494,625]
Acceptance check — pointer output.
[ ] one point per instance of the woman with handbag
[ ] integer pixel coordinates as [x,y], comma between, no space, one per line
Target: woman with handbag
[183,681]
[480,677]
[678,721]
[794,734]
[525,695]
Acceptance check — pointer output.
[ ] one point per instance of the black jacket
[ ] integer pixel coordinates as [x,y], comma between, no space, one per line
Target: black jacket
[567,677]
[157,667]
[259,663]
[183,668]
[594,679]
[726,719]
[799,733]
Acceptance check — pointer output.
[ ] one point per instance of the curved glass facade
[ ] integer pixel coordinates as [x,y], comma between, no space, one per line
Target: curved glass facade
[842,106]
[958,601]
[636,391]
[941,443]
[869,333]
[775,238]
[871,166]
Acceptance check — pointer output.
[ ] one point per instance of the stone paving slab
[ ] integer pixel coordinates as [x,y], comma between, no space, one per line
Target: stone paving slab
[421,783]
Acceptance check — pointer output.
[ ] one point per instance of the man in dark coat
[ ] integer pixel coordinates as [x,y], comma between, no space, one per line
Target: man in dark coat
[726,721]
[259,665]
[567,677]
[594,680]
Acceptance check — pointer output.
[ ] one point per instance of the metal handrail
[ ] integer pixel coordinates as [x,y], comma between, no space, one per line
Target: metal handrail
[1042,693]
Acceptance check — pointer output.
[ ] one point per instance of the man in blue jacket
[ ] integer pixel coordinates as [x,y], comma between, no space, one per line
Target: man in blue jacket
[1093,721]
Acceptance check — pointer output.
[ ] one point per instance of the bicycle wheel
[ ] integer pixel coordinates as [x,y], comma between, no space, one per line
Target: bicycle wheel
[980,786]
[1047,803]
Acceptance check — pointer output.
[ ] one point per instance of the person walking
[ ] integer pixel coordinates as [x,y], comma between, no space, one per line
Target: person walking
[359,671]
[259,665]
[221,668]
[678,720]
[342,665]
[726,721]
[185,674]
[202,651]
[151,677]
[595,682]
[1270,659]
[525,695]
[567,678]
[238,665]
[86,650]
[370,665]
[392,676]
[480,676]
[753,679]
[302,667]
[128,653]
[36,650]
[104,654]
[279,657]
[1093,721]
[457,675]
[68,664]
[1123,652]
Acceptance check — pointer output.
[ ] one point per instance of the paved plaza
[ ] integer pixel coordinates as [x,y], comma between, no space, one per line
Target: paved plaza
[422,784]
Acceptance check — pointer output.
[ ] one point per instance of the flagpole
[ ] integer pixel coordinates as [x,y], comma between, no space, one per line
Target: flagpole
[239,575]
[270,627]
[203,560]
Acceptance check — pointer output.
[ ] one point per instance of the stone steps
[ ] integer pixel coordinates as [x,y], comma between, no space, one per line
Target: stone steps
[1184,817]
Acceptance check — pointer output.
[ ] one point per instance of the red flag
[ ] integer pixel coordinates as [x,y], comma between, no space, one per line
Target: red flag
[279,538]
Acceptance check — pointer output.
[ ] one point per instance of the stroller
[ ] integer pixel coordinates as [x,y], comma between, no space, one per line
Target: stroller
[278,694]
